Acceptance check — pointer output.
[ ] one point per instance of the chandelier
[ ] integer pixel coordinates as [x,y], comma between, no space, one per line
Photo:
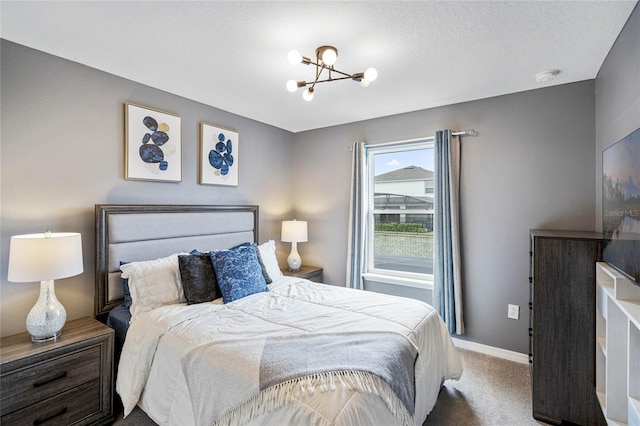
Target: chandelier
[326,57]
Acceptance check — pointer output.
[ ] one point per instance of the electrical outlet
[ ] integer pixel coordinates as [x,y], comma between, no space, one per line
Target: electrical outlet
[513,312]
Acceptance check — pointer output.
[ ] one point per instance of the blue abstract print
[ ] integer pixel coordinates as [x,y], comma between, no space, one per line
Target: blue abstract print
[221,158]
[150,151]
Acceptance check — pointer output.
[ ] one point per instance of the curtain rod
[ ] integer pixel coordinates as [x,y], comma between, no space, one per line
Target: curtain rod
[468,132]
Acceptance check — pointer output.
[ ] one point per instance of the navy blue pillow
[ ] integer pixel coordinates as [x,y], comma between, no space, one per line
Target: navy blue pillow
[125,289]
[198,279]
[238,272]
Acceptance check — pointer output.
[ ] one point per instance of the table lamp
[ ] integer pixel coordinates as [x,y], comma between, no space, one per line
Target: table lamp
[294,232]
[45,257]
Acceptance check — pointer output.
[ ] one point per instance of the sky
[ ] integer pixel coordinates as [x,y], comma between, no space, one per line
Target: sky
[397,160]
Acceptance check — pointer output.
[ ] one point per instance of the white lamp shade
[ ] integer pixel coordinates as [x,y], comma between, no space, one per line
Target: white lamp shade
[47,256]
[294,231]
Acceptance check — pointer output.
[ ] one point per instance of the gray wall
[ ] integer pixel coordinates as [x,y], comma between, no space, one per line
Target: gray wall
[531,167]
[617,97]
[63,152]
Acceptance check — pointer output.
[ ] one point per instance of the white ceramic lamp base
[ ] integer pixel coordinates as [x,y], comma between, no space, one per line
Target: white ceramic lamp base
[47,317]
[294,261]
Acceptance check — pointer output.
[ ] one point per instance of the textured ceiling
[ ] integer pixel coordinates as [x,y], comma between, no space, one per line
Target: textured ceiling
[233,55]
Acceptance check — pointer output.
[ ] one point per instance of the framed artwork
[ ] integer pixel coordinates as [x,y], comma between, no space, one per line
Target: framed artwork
[153,147]
[218,155]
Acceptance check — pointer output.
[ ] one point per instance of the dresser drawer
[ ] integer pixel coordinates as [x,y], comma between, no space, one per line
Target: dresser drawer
[66,408]
[40,381]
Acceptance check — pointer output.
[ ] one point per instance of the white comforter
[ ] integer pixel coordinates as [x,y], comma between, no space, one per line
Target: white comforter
[150,372]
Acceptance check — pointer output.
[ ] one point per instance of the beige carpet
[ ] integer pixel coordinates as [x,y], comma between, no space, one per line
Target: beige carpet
[491,392]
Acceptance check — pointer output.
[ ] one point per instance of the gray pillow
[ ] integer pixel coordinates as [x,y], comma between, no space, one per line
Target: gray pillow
[198,278]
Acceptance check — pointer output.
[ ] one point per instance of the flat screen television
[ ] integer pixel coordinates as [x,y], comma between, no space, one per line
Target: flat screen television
[621,205]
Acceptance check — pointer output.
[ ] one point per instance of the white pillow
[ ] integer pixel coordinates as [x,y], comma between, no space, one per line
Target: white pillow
[153,283]
[268,256]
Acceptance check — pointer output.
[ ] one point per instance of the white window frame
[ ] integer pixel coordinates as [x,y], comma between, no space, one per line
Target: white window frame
[411,279]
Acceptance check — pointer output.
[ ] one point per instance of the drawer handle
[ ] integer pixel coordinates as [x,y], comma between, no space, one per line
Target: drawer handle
[51,379]
[46,419]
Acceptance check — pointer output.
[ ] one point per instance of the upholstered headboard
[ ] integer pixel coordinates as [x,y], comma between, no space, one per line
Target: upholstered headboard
[131,233]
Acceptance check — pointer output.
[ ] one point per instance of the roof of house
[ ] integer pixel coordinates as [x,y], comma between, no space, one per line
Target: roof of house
[406,173]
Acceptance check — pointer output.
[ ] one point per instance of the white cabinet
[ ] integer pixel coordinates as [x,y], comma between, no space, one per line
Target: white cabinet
[617,346]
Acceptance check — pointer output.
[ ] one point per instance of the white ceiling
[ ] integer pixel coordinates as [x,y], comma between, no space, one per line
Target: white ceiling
[233,55]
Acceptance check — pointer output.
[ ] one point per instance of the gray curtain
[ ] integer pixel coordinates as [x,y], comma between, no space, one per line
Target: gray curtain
[356,255]
[447,285]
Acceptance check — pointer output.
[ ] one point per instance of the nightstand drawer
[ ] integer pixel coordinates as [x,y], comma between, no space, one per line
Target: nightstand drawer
[315,276]
[63,409]
[311,273]
[43,380]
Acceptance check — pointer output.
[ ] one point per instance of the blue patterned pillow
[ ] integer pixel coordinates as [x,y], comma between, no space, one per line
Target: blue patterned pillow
[265,274]
[238,272]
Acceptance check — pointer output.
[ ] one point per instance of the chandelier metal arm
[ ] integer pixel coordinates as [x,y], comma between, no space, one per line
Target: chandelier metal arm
[321,67]
[324,66]
[348,77]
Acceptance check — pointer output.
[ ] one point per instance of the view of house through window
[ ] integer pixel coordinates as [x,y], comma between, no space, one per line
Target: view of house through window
[401,191]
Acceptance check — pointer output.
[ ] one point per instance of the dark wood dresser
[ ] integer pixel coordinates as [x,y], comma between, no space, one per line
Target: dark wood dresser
[62,382]
[562,326]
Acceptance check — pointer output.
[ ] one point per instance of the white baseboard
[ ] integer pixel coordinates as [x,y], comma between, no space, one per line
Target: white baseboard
[490,350]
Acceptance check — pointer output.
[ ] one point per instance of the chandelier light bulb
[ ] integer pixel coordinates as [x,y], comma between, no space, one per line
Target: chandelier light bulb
[292,85]
[329,57]
[307,95]
[294,57]
[364,82]
[370,74]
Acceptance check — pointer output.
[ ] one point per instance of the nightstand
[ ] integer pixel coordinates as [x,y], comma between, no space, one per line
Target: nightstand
[311,273]
[62,382]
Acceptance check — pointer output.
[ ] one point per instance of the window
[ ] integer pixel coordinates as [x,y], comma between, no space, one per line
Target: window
[400,183]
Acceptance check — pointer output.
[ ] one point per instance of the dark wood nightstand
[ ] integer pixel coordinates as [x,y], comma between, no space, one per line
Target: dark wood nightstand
[62,382]
[311,273]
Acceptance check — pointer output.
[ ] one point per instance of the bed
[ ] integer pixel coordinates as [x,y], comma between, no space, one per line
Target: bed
[272,349]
